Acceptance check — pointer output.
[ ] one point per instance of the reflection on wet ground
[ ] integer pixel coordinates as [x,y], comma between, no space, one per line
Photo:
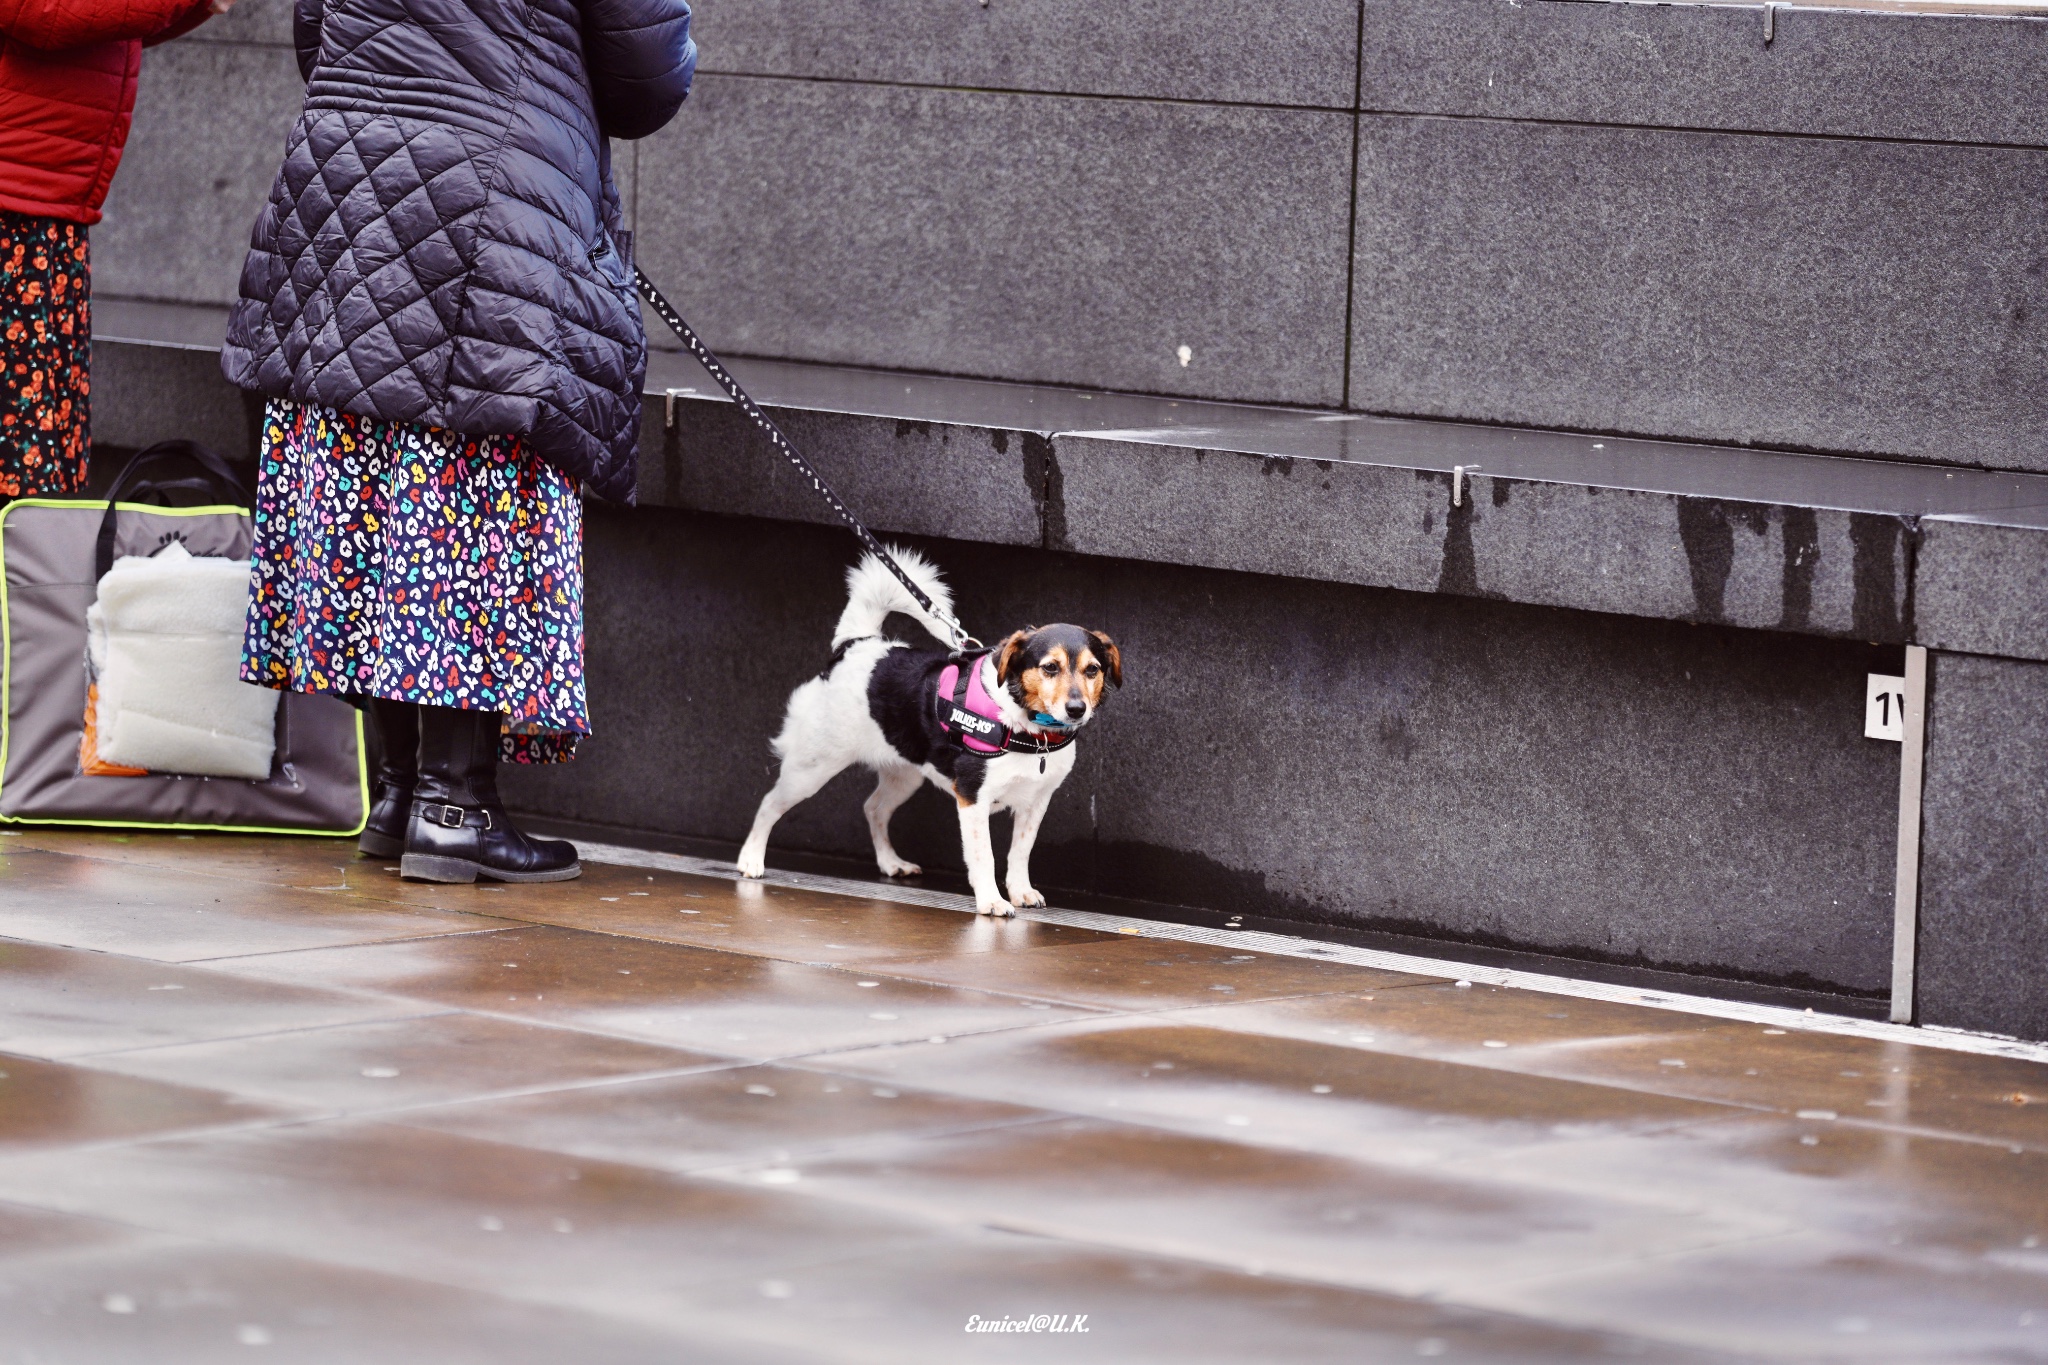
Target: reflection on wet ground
[260,1093]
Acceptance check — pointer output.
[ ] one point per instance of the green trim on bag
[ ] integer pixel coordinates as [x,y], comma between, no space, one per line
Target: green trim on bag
[7,684]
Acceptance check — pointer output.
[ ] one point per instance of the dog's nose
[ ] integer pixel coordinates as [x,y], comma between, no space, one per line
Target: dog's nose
[1076,709]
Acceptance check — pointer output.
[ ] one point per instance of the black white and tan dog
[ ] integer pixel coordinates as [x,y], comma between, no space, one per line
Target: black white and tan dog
[995,730]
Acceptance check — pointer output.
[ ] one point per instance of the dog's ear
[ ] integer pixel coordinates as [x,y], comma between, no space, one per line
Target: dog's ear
[1007,653]
[1112,658]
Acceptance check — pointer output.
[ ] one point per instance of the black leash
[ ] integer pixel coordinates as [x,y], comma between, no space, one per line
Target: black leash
[716,369]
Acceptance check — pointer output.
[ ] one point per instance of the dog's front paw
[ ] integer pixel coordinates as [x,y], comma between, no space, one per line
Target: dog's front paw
[993,906]
[897,867]
[1024,898]
[752,864]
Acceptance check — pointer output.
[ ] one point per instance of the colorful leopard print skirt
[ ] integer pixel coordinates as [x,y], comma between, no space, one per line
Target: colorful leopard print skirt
[413,564]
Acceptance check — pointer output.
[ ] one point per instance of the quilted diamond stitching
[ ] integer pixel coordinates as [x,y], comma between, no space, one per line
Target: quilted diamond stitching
[387,277]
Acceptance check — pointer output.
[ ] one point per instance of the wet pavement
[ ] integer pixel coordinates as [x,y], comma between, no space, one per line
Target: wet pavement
[261,1096]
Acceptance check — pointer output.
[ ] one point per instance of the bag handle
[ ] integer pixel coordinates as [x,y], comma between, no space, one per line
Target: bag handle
[219,480]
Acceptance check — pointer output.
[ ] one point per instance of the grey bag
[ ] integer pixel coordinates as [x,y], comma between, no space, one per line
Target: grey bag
[52,554]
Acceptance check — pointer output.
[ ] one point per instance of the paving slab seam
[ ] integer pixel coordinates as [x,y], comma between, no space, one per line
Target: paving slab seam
[173,865]
[85,1215]
[1186,1125]
[717,1062]
[745,1176]
[826,1055]
[794,1058]
[384,1112]
[1594,1269]
[1478,1061]
[365,943]
[1288,945]
[888,969]
[596,1305]
[1483,1061]
[1258,1270]
[369,891]
[432,1010]
[1893,1130]
[211,1130]
[1267,1140]
[1012,1228]
[592,1031]
[902,970]
[723,1058]
[84,1057]
[895,972]
[92,1258]
[824,1149]
[366,892]
[1173,1249]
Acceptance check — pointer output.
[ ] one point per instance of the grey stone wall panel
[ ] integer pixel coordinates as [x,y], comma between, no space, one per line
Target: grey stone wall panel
[1815,571]
[1981,584]
[209,133]
[1024,237]
[1299,52]
[1858,297]
[921,478]
[1965,78]
[250,21]
[145,394]
[1649,792]
[1983,955]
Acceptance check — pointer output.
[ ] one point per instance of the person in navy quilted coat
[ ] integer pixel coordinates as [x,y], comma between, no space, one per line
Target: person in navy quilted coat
[438,301]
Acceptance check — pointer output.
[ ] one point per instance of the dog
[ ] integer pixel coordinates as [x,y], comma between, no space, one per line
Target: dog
[994,729]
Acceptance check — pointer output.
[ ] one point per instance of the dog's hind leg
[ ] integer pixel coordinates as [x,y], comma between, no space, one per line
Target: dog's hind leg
[893,786]
[798,783]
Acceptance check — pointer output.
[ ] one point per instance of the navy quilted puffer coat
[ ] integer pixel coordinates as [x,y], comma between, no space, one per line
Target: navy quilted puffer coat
[443,244]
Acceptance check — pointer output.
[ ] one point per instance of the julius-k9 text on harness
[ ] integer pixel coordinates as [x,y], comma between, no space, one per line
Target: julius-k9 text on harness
[970,717]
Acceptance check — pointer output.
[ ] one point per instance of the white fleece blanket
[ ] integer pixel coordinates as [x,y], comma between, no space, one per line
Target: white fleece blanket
[166,642]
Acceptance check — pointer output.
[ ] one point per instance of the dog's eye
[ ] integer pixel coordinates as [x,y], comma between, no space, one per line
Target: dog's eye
[1050,667]
[1094,670]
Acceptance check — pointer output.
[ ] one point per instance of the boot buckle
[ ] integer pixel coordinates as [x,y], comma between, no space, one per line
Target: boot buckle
[448,817]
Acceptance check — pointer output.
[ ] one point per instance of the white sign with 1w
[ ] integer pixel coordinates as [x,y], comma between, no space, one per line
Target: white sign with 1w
[1884,708]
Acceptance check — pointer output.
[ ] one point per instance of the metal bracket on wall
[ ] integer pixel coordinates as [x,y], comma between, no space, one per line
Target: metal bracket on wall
[669,422]
[1906,889]
[1770,21]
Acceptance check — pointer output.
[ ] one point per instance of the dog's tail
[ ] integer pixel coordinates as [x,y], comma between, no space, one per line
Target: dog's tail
[872,592]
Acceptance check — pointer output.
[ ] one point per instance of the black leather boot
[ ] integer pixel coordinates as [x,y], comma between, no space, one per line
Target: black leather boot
[398,726]
[459,831]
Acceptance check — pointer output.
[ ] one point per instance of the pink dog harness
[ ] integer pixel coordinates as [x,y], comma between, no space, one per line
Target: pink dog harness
[971,719]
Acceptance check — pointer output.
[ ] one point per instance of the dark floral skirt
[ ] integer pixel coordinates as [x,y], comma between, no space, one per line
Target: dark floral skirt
[46,347]
[413,564]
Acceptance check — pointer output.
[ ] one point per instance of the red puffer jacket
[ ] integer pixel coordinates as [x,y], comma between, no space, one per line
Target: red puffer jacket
[67,90]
